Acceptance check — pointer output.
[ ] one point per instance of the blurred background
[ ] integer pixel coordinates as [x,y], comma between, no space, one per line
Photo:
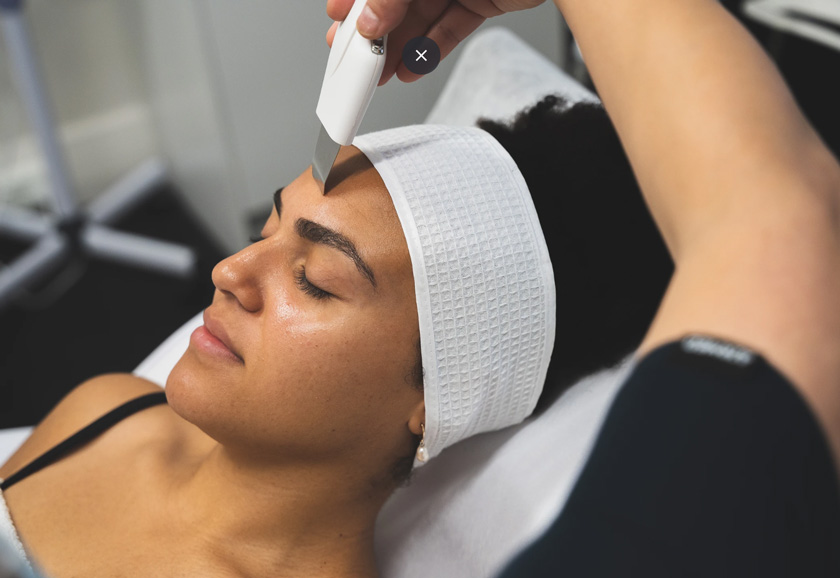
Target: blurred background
[221,94]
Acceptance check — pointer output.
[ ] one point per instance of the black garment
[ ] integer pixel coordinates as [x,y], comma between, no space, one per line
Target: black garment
[709,464]
[83,436]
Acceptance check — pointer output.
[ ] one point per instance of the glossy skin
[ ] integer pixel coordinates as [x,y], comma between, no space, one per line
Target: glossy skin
[309,360]
[275,463]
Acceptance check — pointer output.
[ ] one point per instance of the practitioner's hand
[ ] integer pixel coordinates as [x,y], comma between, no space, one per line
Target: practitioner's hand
[446,22]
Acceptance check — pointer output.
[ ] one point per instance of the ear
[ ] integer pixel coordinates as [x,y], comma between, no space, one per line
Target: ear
[418,416]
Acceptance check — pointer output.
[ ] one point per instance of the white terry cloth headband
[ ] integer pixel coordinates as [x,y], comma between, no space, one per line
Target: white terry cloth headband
[482,275]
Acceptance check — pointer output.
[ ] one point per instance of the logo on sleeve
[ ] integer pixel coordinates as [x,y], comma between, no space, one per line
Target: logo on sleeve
[718,349]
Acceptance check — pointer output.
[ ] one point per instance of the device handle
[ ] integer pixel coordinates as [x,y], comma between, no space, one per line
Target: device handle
[353,71]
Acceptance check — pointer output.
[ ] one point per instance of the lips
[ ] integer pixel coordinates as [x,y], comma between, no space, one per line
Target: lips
[217,330]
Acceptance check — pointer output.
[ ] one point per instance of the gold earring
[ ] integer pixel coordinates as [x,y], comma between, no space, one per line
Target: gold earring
[422,452]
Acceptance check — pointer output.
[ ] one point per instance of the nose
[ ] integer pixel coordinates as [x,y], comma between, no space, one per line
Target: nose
[238,276]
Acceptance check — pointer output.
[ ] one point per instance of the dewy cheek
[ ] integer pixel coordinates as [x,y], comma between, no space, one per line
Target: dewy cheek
[284,313]
[296,324]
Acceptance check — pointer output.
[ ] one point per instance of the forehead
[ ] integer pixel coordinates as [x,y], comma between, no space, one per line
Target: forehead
[357,205]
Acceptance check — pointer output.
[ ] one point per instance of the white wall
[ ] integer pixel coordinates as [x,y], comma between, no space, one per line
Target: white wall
[224,90]
[253,69]
[93,77]
[271,62]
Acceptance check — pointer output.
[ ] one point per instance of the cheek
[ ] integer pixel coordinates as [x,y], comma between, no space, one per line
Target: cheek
[324,368]
[376,353]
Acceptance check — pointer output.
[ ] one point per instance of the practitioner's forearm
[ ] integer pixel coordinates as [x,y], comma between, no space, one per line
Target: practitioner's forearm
[708,123]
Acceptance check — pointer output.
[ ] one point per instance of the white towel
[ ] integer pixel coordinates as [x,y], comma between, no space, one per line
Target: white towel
[482,275]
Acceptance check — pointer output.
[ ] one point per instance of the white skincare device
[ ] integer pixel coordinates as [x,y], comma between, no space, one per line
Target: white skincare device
[353,71]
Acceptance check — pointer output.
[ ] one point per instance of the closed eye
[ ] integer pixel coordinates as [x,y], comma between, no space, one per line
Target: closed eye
[300,279]
[307,287]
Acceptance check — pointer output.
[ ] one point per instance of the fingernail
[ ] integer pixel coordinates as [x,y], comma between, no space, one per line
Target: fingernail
[368,22]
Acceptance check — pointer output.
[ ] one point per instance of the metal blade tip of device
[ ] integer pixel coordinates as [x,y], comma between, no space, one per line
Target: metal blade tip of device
[326,151]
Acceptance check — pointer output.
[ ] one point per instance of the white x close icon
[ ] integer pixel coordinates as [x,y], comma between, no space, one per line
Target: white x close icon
[421,55]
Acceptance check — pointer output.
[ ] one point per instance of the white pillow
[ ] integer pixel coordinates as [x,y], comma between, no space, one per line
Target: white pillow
[498,75]
[159,363]
[471,509]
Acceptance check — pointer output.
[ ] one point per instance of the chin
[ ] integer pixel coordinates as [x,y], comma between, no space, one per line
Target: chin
[186,388]
[197,394]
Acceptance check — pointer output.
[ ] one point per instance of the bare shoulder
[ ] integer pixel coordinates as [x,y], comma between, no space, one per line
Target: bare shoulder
[84,404]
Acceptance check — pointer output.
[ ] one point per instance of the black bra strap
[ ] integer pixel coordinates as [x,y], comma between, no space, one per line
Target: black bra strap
[84,435]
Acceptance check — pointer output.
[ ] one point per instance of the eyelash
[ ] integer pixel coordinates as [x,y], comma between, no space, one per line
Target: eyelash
[309,288]
[300,279]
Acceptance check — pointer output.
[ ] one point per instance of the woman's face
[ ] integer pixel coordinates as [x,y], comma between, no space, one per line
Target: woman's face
[322,319]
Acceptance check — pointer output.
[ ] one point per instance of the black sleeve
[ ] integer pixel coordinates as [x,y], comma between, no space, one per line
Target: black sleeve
[709,463]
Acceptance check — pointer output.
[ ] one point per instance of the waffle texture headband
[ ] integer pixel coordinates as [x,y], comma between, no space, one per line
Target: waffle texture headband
[482,275]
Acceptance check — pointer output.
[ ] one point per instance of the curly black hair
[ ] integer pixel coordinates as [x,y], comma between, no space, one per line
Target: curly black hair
[611,265]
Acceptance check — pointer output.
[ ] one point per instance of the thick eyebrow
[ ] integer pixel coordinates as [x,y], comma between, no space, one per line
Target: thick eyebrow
[320,234]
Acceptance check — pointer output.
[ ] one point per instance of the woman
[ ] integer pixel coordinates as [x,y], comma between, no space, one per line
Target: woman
[408,308]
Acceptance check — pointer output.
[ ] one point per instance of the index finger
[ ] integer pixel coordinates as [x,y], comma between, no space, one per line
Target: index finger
[453,26]
[339,9]
[421,16]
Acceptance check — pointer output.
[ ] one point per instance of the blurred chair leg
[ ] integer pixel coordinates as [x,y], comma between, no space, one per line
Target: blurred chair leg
[73,224]
[134,188]
[137,251]
[35,264]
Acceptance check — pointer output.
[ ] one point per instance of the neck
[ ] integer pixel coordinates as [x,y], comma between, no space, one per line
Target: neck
[278,519]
